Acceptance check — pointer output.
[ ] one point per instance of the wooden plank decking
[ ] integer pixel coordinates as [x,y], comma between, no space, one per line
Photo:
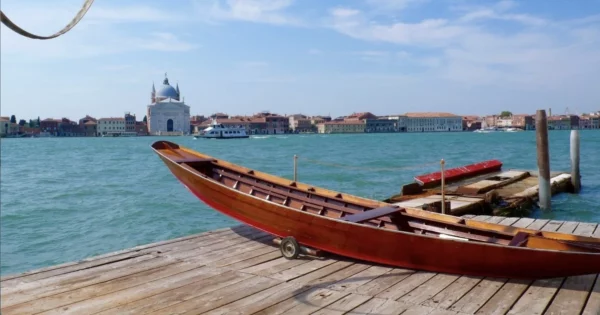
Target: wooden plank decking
[239,271]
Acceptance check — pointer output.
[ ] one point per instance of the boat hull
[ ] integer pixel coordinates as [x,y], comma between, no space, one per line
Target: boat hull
[394,248]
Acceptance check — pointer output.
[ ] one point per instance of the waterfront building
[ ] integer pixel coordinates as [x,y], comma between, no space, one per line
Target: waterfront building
[504,122]
[129,122]
[595,121]
[49,126]
[433,122]
[360,116]
[4,126]
[300,123]
[380,125]
[112,126]
[87,118]
[353,126]
[141,129]
[399,121]
[219,116]
[523,121]
[168,114]
[90,128]
[274,124]
[471,123]
[490,120]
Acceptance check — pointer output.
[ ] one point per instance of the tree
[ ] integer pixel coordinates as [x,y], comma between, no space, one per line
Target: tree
[13,119]
[505,114]
[145,120]
[31,123]
[38,122]
[22,122]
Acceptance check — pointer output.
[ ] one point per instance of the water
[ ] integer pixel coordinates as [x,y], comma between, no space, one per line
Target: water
[70,198]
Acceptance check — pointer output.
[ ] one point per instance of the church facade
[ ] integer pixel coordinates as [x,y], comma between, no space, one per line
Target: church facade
[167,113]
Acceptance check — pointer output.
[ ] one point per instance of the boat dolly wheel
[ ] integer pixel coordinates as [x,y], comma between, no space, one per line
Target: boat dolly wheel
[290,249]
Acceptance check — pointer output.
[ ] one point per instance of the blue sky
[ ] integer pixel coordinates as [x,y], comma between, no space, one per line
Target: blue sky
[309,56]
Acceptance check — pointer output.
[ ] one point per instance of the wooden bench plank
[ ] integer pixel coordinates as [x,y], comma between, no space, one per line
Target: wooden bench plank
[371,214]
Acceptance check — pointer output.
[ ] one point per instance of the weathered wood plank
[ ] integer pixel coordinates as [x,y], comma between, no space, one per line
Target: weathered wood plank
[211,300]
[509,221]
[351,283]
[478,296]
[108,257]
[122,297]
[151,297]
[503,300]
[572,295]
[261,300]
[254,261]
[568,227]
[317,300]
[482,218]
[538,224]
[407,285]
[586,229]
[343,305]
[303,269]
[331,274]
[592,307]
[384,281]
[541,292]
[455,291]
[523,222]
[92,291]
[597,232]
[495,219]
[428,289]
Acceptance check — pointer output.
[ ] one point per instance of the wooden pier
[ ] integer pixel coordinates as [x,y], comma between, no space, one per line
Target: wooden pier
[499,193]
[240,271]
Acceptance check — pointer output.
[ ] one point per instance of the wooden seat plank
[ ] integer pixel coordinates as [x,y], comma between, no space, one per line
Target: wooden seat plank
[371,214]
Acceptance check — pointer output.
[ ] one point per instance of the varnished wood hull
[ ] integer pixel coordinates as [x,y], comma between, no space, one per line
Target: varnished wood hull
[377,245]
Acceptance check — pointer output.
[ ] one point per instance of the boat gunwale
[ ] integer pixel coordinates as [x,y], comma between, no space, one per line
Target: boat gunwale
[212,181]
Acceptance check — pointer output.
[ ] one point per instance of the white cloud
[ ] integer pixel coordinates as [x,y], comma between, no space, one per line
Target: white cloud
[258,11]
[466,51]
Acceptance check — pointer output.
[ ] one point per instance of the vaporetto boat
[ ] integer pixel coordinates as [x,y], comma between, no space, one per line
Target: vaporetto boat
[219,131]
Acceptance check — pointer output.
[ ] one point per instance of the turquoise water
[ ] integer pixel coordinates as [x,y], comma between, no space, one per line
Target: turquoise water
[70,198]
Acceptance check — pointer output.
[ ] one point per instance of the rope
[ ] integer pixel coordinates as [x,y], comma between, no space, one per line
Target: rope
[6,21]
[368,168]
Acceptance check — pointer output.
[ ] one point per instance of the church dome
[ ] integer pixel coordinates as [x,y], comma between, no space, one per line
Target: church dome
[167,91]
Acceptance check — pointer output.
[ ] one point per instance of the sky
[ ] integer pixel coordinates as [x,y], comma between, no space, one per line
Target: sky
[317,57]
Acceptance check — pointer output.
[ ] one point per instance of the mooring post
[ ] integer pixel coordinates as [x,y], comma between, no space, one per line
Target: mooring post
[443,184]
[575,176]
[295,167]
[543,159]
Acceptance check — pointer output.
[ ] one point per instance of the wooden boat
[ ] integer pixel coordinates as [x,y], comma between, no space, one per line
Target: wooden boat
[375,231]
[458,173]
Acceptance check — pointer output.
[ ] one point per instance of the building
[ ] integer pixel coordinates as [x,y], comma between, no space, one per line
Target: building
[300,123]
[90,128]
[113,126]
[523,121]
[360,116]
[433,122]
[353,126]
[471,123]
[4,126]
[168,114]
[129,123]
[504,122]
[275,124]
[140,128]
[380,125]
[49,126]
[399,122]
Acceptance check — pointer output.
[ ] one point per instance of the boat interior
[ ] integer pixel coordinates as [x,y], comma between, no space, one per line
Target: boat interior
[350,208]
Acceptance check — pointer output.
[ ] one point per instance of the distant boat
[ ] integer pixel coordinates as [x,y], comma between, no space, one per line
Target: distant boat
[378,232]
[219,131]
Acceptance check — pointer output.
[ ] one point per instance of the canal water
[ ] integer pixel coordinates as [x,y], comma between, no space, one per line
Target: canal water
[64,199]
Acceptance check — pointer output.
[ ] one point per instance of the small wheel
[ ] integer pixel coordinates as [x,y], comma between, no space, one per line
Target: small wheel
[290,248]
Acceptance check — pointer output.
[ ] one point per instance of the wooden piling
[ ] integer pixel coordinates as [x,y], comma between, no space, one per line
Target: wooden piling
[575,176]
[442,162]
[543,159]
[295,167]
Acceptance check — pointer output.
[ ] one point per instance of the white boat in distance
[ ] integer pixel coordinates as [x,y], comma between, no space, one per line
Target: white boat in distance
[219,131]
